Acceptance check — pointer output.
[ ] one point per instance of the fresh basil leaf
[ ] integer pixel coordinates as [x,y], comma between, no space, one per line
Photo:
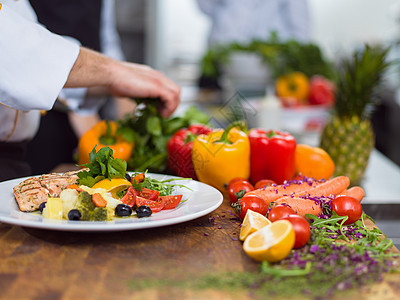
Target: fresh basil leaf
[153,125]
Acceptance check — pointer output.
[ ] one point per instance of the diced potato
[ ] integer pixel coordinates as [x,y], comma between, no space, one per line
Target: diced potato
[69,198]
[53,209]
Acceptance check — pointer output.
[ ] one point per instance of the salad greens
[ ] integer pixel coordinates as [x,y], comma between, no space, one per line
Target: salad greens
[102,165]
[149,132]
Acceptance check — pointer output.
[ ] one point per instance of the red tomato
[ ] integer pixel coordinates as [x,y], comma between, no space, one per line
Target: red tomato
[301,229]
[171,201]
[322,91]
[347,206]
[234,180]
[254,203]
[238,186]
[130,197]
[280,211]
[263,183]
[155,205]
[148,194]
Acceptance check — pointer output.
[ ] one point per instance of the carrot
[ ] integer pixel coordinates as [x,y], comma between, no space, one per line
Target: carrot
[272,193]
[355,192]
[333,186]
[300,205]
[98,200]
[72,186]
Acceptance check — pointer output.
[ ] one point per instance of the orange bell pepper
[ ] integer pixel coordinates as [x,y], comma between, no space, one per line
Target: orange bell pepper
[103,134]
[293,85]
[313,162]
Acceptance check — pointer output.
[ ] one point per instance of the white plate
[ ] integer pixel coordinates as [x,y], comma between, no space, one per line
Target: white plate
[200,200]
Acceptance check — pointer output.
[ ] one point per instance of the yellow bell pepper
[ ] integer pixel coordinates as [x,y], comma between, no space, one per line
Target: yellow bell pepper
[221,156]
[293,85]
[103,134]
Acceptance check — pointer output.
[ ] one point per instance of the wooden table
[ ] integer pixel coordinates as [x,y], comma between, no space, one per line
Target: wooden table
[40,264]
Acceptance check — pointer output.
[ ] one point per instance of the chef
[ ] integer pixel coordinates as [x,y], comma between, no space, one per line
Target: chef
[35,65]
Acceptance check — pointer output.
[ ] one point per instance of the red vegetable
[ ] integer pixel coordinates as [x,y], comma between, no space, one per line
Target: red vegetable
[171,201]
[254,203]
[280,211]
[237,187]
[301,229]
[155,205]
[263,183]
[347,206]
[272,155]
[179,148]
[130,197]
[322,91]
[148,193]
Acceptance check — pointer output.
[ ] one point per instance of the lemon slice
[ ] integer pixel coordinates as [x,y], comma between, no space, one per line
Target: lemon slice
[113,185]
[271,243]
[252,222]
[53,209]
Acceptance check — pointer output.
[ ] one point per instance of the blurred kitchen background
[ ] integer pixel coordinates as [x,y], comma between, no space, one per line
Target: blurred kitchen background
[172,36]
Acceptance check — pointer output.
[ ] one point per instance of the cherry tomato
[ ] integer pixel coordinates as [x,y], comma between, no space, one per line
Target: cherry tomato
[263,183]
[130,197]
[280,211]
[301,229]
[155,205]
[347,206]
[254,203]
[171,201]
[234,180]
[148,193]
[238,186]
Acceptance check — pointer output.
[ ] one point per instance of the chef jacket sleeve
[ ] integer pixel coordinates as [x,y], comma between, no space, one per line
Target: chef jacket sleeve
[34,63]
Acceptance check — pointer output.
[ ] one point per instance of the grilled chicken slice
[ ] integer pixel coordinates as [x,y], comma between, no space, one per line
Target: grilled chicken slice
[33,191]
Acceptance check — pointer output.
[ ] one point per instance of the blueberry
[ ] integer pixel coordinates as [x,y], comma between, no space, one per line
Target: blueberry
[143,211]
[128,177]
[42,206]
[123,210]
[74,215]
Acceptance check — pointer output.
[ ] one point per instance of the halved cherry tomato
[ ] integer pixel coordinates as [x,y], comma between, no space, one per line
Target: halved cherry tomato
[279,212]
[238,186]
[254,203]
[155,205]
[263,183]
[301,229]
[130,197]
[347,206]
[171,201]
[148,193]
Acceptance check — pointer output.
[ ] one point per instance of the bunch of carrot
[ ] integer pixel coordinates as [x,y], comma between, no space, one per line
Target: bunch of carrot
[301,195]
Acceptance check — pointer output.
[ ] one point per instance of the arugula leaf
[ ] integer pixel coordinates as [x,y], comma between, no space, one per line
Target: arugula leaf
[102,165]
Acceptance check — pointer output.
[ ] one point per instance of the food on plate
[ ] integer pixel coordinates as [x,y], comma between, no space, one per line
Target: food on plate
[271,243]
[33,191]
[272,155]
[313,162]
[221,156]
[252,222]
[104,134]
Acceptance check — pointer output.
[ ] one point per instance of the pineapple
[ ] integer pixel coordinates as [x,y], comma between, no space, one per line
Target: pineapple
[348,137]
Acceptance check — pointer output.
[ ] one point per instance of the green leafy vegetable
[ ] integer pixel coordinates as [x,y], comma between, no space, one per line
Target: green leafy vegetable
[102,165]
[150,132]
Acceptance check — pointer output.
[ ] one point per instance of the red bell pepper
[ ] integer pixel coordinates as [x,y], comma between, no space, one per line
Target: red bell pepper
[179,148]
[272,155]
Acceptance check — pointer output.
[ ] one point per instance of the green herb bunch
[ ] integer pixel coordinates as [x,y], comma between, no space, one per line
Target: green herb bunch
[149,132]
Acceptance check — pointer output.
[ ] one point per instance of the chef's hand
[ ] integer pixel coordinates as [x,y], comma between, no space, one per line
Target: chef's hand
[92,69]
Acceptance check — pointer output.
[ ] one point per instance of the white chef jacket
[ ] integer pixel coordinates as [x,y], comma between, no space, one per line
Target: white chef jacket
[34,66]
[242,21]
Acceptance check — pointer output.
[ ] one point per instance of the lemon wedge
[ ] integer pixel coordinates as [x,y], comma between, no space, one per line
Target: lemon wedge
[252,222]
[53,209]
[113,185]
[271,243]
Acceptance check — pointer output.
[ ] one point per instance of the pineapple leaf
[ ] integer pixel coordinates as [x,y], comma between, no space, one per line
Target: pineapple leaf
[358,82]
